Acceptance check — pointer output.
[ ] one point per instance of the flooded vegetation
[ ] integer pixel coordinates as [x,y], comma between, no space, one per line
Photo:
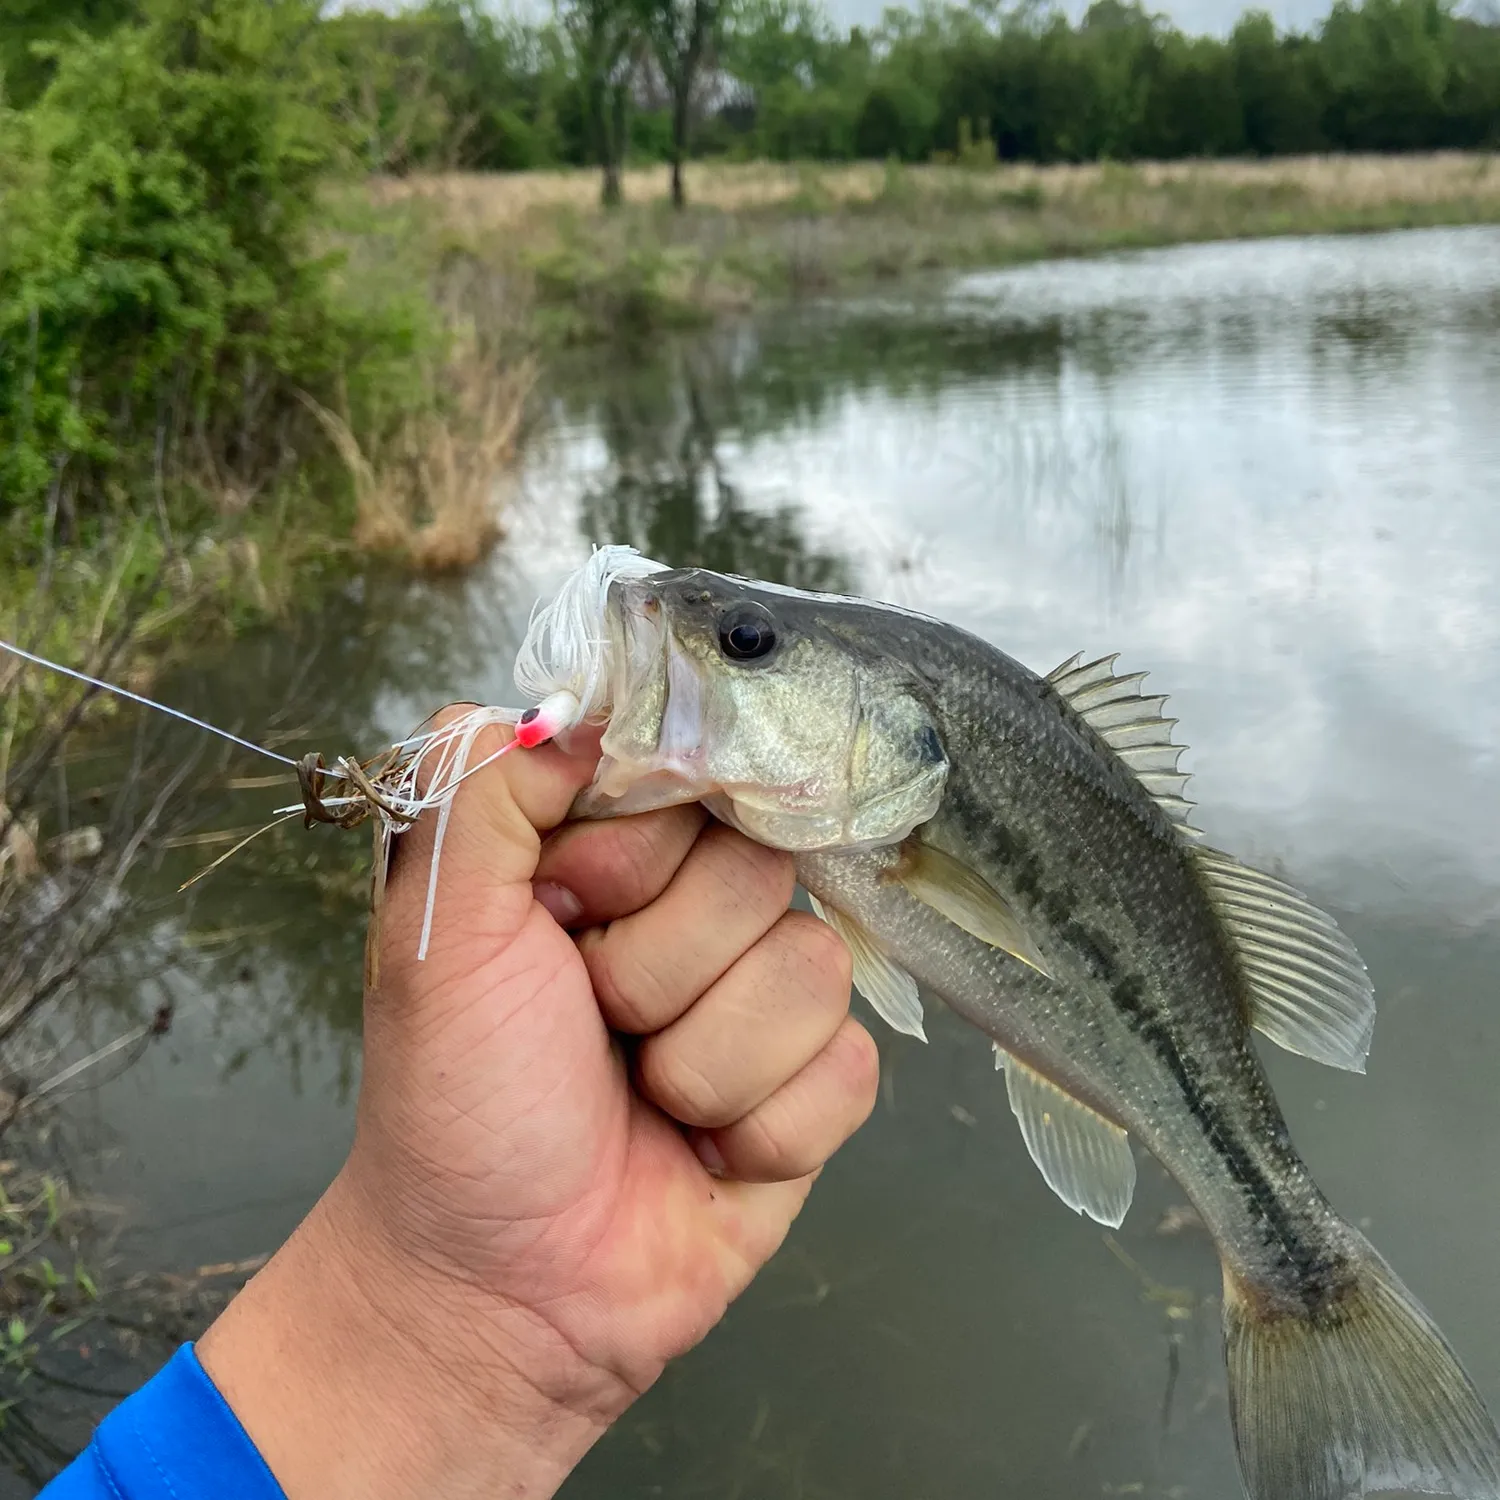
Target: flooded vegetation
[1261,471]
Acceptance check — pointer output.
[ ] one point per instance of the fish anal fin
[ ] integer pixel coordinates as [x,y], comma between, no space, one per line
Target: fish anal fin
[891,991]
[966,899]
[1309,991]
[1085,1158]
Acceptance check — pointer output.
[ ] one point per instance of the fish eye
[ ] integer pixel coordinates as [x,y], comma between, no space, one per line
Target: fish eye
[746,633]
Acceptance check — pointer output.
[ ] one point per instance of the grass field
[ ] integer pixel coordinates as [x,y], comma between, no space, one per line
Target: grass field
[756,230]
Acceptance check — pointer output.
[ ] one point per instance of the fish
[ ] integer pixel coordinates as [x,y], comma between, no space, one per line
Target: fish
[1020,847]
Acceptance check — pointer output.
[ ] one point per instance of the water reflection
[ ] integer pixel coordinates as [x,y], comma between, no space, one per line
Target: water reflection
[666,490]
[1266,472]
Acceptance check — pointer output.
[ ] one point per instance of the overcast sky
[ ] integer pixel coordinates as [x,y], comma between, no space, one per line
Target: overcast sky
[1215,16]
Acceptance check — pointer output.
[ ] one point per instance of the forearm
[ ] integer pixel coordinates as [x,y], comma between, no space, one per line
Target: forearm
[357,1378]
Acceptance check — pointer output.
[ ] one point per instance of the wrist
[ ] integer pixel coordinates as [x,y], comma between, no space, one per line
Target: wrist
[358,1374]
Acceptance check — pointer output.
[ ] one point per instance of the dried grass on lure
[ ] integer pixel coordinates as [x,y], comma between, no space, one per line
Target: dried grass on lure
[563,662]
[391,789]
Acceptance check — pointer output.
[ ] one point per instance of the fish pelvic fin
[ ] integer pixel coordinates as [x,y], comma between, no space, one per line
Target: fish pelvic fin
[1359,1398]
[891,991]
[1085,1158]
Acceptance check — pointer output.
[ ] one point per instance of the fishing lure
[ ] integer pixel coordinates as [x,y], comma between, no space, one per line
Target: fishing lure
[563,665]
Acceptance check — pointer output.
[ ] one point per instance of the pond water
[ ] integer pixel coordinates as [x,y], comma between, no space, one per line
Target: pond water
[1266,472]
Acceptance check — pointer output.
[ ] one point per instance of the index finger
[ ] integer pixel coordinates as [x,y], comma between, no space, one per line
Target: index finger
[498,814]
[615,867]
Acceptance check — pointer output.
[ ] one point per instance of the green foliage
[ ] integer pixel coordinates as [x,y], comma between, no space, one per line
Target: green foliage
[466,84]
[29,30]
[1279,84]
[896,119]
[449,84]
[1121,84]
[587,290]
[160,304]
[1388,64]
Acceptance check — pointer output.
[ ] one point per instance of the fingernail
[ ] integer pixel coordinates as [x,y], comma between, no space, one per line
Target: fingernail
[708,1154]
[562,905]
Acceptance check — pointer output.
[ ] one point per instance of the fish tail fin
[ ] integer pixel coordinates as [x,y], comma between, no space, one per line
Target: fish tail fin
[1362,1397]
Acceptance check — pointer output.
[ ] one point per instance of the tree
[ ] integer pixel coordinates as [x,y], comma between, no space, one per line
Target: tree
[682,34]
[1279,87]
[604,36]
[25,70]
[1388,64]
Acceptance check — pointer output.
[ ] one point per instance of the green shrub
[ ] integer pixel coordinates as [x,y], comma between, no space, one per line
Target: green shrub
[160,301]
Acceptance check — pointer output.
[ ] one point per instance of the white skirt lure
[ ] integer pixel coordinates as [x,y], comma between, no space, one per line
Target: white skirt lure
[563,664]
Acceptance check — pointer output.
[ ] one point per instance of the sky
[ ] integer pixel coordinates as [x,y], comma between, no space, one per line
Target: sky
[1208,17]
[1215,17]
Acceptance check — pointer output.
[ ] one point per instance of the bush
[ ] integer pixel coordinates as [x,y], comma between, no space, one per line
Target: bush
[160,303]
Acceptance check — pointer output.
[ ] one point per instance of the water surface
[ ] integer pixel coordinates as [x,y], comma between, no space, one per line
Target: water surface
[1266,472]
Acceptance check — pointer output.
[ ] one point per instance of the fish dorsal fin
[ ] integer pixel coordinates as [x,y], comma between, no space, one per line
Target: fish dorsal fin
[1085,1158]
[1309,991]
[891,991]
[965,898]
[1132,726]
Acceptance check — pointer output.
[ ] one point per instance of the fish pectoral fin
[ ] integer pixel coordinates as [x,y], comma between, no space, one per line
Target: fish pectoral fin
[967,900]
[891,991]
[1309,991]
[1085,1158]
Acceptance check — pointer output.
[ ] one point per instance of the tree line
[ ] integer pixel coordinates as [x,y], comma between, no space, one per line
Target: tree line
[457,84]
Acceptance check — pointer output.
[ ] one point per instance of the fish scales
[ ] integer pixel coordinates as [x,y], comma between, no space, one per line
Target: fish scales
[1143,1018]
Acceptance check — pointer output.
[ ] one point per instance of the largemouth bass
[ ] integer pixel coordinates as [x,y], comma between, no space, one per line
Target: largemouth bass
[1020,846]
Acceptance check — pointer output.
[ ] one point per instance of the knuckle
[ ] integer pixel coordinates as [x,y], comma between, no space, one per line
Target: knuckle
[826,955]
[752,873]
[859,1059]
[771,1146]
[684,1091]
[798,1128]
[625,859]
[631,996]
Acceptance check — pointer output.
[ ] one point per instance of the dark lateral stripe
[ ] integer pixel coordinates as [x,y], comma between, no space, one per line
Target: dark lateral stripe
[1314,1270]
[1312,1273]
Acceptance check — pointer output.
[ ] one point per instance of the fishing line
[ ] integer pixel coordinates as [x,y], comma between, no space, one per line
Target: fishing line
[563,662]
[175,713]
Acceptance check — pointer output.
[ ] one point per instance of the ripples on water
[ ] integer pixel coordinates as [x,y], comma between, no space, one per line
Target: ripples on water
[1267,472]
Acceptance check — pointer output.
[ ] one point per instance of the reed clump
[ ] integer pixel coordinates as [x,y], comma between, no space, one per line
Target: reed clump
[431,495]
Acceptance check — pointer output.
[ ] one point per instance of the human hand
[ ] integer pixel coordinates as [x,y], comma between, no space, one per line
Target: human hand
[532,1223]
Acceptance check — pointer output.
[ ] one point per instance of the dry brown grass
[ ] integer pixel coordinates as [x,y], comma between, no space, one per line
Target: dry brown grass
[481,204]
[760,229]
[432,495]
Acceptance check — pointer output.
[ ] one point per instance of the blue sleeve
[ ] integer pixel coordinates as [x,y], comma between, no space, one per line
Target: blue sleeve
[174,1439]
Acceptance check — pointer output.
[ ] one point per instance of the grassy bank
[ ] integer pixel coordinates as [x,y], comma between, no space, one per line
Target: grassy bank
[760,231]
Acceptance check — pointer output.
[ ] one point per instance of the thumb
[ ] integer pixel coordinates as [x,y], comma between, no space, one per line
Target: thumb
[490,845]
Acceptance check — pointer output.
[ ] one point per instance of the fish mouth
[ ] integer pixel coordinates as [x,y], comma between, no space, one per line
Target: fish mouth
[653,747]
[648,646]
[639,638]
